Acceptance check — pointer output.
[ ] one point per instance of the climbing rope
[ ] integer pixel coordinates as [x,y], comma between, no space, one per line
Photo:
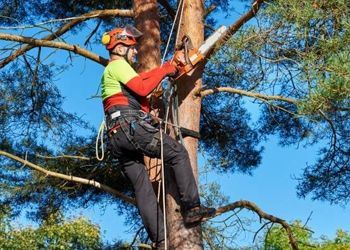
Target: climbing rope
[172,29]
[100,137]
[181,3]
[163,187]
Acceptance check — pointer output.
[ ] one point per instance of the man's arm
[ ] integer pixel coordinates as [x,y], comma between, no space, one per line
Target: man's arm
[145,82]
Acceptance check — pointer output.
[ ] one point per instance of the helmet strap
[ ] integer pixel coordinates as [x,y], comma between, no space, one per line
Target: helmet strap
[126,55]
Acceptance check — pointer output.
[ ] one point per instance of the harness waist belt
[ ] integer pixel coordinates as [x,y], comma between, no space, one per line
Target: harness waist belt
[116,117]
[127,113]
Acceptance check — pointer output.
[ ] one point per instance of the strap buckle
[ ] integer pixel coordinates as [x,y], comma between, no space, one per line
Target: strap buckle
[142,114]
[115,115]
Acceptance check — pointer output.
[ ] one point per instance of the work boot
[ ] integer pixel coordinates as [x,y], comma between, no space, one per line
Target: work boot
[197,214]
[158,245]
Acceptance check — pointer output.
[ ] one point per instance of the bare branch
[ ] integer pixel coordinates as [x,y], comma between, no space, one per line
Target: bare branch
[334,132]
[90,15]
[136,234]
[167,6]
[203,93]
[232,29]
[253,207]
[92,33]
[307,221]
[63,29]
[60,45]
[209,10]
[261,228]
[70,177]
[341,108]
[64,156]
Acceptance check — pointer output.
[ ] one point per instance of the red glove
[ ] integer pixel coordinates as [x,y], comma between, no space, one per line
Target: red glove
[169,69]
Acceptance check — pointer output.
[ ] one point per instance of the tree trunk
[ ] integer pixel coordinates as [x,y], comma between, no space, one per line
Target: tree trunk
[181,237]
[147,20]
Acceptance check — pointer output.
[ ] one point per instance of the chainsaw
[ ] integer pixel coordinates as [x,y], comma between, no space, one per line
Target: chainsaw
[186,57]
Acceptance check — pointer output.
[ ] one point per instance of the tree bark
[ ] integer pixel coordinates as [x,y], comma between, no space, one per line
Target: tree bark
[147,21]
[181,237]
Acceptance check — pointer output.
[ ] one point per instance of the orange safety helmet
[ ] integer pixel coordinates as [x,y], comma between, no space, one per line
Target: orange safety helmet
[126,36]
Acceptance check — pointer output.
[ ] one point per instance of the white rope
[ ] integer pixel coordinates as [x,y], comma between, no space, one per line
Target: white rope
[100,136]
[172,29]
[163,187]
[165,130]
[175,114]
[162,182]
[182,11]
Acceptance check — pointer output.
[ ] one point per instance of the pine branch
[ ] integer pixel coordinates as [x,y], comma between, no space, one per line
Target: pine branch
[205,92]
[59,45]
[68,26]
[69,177]
[209,10]
[233,28]
[167,6]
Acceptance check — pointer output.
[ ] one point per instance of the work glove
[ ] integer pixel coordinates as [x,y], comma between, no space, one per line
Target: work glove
[169,69]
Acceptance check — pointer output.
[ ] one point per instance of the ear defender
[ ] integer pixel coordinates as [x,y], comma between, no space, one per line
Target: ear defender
[106,38]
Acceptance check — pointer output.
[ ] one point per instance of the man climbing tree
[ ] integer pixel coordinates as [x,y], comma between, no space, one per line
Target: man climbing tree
[129,125]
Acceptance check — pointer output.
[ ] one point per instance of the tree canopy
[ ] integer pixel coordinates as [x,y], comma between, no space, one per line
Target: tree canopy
[294,64]
[289,66]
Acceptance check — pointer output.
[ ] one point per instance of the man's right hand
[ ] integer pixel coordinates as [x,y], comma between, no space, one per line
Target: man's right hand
[169,69]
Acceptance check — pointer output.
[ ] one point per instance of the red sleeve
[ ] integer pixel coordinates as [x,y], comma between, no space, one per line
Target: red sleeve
[145,82]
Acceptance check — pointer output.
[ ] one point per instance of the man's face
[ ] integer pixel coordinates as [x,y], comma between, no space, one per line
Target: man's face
[131,54]
[128,52]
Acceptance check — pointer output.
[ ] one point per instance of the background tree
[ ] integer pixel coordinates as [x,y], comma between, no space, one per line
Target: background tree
[53,233]
[291,62]
[276,238]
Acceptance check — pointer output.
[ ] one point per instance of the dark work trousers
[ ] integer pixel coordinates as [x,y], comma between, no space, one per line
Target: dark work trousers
[131,157]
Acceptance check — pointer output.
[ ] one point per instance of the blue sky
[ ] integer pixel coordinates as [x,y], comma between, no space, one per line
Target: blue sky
[271,186]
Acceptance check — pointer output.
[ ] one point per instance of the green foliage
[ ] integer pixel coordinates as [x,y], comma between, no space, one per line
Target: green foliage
[298,50]
[53,233]
[341,241]
[277,239]
[321,29]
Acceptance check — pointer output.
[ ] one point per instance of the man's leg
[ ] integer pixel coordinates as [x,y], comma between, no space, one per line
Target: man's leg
[176,157]
[146,199]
